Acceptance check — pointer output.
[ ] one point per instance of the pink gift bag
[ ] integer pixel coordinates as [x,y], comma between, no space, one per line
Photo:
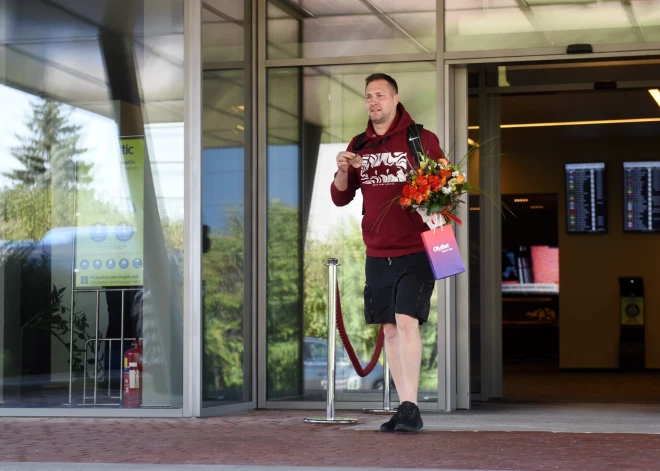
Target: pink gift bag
[442,250]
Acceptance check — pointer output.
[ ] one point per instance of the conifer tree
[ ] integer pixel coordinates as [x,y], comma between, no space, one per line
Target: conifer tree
[48,154]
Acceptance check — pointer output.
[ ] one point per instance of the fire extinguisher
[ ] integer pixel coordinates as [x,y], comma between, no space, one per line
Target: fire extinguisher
[133,376]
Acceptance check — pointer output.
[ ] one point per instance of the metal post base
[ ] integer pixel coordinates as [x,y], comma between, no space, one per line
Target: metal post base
[380,411]
[336,420]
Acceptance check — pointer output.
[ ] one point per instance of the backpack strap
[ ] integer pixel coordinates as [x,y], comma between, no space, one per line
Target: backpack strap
[359,140]
[415,140]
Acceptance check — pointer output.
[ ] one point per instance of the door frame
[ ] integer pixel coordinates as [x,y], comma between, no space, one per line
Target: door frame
[453,336]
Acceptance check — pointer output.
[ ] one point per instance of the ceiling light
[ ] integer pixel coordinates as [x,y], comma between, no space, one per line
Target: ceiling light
[576,123]
[475,208]
[521,200]
[536,206]
[656,95]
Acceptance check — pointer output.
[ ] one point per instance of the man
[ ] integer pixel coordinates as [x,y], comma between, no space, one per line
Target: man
[399,280]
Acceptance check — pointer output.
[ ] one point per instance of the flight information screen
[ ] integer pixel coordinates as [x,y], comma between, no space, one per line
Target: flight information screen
[586,210]
[641,196]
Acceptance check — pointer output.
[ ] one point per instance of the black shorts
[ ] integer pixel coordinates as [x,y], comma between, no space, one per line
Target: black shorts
[398,285]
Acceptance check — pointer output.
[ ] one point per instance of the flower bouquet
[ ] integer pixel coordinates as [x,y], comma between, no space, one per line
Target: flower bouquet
[434,189]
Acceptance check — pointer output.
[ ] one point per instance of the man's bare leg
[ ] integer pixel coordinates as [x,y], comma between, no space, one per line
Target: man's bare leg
[392,353]
[409,351]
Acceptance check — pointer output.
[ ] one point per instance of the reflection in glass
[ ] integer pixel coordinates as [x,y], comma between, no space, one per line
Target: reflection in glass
[284,247]
[301,28]
[223,30]
[226,354]
[91,165]
[509,24]
[313,114]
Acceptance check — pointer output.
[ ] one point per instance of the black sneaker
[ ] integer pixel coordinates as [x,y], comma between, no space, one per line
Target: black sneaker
[409,419]
[388,426]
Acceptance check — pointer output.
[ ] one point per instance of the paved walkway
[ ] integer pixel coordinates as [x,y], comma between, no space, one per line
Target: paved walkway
[176,467]
[281,438]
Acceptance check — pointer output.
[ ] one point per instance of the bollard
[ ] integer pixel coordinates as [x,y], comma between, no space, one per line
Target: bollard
[332,327]
[387,407]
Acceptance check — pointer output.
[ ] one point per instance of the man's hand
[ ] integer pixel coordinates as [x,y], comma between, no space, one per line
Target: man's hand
[344,159]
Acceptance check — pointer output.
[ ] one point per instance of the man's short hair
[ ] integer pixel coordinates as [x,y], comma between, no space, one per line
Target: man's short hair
[387,78]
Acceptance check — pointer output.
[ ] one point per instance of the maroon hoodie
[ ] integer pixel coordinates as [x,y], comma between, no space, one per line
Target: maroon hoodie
[387,229]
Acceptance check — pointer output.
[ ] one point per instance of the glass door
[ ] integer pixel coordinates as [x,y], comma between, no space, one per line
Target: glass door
[227,311]
[566,146]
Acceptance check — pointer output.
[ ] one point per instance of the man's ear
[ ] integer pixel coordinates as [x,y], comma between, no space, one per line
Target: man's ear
[396,98]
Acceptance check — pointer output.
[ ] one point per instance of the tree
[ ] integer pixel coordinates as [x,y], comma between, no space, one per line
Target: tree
[48,154]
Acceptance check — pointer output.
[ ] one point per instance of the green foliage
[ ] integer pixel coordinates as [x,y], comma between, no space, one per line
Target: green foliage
[284,319]
[55,319]
[27,213]
[48,154]
[224,315]
[345,244]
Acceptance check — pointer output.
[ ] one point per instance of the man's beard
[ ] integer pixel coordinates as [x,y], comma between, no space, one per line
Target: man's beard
[383,119]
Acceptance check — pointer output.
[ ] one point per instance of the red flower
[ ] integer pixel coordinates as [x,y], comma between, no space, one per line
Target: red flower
[434,182]
[405,202]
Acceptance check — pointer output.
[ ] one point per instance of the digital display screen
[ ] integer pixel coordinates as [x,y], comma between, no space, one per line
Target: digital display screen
[641,196]
[586,207]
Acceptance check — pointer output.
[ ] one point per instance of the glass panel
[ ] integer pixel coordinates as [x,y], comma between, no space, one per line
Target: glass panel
[91,165]
[223,30]
[475,25]
[227,327]
[316,28]
[284,245]
[313,113]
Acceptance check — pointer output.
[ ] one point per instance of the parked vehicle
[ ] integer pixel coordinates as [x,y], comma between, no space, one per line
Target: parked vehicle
[316,369]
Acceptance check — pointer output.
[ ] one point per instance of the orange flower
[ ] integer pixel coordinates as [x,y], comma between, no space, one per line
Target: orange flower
[460,179]
[444,162]
[421,181]
[405,202]
[443,181]
[445,173]
[420,171]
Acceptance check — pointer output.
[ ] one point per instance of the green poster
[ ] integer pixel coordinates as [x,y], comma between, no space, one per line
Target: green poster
[109,247]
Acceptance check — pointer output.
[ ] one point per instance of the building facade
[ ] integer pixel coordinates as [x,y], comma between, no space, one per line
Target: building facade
[165,186]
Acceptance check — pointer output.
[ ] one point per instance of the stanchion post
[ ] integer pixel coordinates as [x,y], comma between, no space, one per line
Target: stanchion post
[332,327]
[387,403]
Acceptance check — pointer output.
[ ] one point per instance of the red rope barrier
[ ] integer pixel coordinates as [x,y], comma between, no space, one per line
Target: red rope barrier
[349,348]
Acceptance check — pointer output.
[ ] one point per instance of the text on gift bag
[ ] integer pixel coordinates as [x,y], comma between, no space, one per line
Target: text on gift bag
[442,250]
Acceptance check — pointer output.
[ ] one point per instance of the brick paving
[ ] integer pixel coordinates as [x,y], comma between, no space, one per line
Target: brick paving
[281,438]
